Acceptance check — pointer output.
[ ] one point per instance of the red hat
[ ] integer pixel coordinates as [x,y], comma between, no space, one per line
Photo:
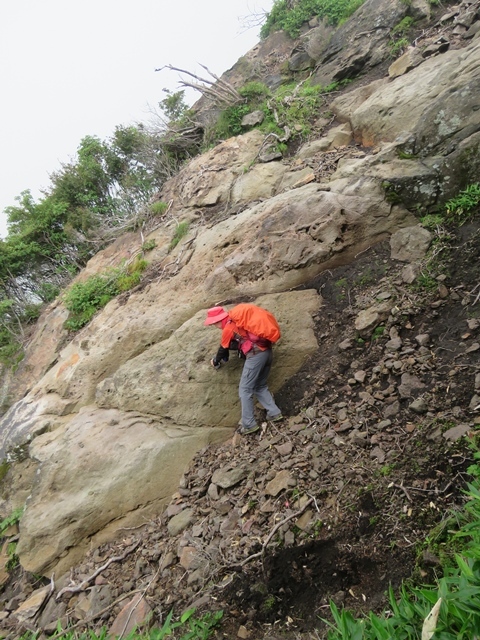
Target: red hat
[215,314]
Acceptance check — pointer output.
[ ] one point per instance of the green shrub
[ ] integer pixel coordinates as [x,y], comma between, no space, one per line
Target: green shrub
[432,220]
[13,518]
[397,46]
[464,206]
[158,208]
[11,350]
[456,595]
[84,299]
[230,121]
[148,245]
[31,312]
[378,332]
[402,27]
[48,291]
[290,20]
[180,232]
[254,91]
[188,627]
[294,107]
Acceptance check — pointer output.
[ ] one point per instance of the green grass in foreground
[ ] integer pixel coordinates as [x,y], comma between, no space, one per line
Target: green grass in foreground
[449,610]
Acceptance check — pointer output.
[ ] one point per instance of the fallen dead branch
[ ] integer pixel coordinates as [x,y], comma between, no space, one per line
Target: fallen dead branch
[273,532]
[84,583]
[218,90]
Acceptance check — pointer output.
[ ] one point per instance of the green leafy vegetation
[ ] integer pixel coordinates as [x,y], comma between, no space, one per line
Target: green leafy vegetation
[174,106]
[403,26]
[149,245]
[84,299]
[391,195]
[101,193]
[13,518]
[290,16]
[464,206]
[180,232]
[432,221]
[293,107]
[378,332]
[254,91]
[229,123]
[398,36]
[397,47]
[455,599]
[158,208]
[187,627]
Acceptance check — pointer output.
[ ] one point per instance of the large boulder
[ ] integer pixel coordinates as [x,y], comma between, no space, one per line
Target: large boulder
[174,378]
[113,464]
[114,415]
[274,246]
[103,471]
[362,41]
[435,103]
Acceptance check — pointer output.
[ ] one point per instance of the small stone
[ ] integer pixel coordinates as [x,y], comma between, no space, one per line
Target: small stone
[409,384]
[455,433]
[180,522]
[280,482]
[393,345]
[311,413]
[419,406]
[360,376]
[304,521]
[289,539]
[135,613]
[384,424]
[379,454]
[474,347]
[392,410]
[442,291]
[228,477]
[284,449]
[213,491]
[474,403]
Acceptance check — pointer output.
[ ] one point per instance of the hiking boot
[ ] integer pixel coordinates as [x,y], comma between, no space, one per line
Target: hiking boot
[245,431]
[276,418]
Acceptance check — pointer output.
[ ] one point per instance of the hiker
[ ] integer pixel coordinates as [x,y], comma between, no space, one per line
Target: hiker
[258,356]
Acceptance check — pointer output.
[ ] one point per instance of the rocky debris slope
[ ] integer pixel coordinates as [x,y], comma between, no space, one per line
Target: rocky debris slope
[333,503]
[257,231]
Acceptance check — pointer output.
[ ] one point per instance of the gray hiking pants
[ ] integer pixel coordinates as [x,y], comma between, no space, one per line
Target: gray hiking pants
[254,382]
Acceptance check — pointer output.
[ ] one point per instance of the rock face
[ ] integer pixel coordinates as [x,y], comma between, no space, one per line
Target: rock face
[114,415]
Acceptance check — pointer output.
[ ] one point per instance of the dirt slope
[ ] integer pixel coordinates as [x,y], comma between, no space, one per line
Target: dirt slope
[335,502]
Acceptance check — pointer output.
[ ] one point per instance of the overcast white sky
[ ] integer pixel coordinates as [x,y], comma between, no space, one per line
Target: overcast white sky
[70,69]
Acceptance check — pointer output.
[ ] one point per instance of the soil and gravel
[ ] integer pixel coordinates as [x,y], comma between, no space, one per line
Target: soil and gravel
[347,497]
[335,502]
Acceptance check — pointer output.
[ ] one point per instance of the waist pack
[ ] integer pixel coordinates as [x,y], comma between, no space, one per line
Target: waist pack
[260,325]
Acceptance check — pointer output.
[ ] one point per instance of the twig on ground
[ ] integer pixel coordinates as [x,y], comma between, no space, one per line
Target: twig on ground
[84,583]
[273,532]
[142,595]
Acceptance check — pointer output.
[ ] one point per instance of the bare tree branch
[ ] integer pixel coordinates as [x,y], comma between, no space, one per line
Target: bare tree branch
[217,89]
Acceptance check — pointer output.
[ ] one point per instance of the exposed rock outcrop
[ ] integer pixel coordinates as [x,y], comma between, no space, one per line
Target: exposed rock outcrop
[116,413]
